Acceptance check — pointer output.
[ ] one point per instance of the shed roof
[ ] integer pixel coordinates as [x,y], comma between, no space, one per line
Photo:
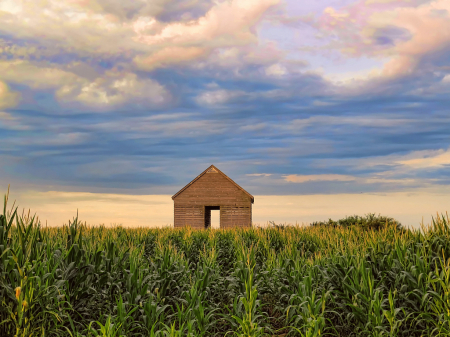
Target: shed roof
[219,171]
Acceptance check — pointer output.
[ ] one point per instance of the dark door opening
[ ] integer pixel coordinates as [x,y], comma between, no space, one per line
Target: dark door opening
[214,223]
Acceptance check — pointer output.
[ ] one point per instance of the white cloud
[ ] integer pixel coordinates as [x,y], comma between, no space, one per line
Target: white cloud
[115,89]
[11,6]
[217,97]
[276,70]
[104,90]
[241,56]
[212,85]
[36,76]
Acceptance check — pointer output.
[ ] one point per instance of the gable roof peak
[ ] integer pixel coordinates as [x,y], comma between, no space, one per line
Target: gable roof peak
[213,169]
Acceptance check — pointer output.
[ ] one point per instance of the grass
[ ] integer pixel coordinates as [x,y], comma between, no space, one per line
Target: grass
[348,280]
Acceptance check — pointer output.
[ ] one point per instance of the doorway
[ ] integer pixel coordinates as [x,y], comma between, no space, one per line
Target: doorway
[212,219]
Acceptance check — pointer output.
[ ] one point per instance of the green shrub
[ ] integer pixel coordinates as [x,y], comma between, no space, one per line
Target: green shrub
[369,221]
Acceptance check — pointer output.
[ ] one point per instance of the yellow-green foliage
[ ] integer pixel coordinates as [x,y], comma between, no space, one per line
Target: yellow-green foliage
[79,280]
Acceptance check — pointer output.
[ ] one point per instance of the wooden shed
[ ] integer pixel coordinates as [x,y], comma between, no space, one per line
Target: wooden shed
[212,190]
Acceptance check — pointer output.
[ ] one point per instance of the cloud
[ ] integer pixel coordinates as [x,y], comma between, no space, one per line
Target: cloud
[174,125]
[154,34]
[72,25]
[238,58]
[360,181]
[227,24]
[228,21]
[58,139]
[169,56]
[418,169]
[111,88]
[36,76]
[406,163]
[259,175]
[115,89]
[221,96]
[294,178]
[299,125]
[8,121]
[91,53]
[369,2]
[276,70]
[426,159]
[254,127]
[398,31]
[163,10]
[192,83]
[8,98]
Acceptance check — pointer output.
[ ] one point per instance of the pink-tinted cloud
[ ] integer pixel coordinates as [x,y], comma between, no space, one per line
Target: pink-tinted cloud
[227,24]
[141,34]
[402,31]
[89,27]
[170,55]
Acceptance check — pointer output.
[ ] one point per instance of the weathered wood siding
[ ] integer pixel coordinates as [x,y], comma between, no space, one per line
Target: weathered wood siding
[189,215]
[212,189]
[239,215]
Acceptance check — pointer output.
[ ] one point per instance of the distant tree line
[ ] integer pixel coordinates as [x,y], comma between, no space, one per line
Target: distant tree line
[369,221]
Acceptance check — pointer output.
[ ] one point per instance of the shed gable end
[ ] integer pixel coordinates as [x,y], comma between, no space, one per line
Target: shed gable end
[213,188]
[218,180]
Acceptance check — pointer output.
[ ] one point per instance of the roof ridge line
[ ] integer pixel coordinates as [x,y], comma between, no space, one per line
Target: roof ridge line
[201,174]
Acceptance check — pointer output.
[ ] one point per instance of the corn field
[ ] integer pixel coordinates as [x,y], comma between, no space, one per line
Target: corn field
[79,280]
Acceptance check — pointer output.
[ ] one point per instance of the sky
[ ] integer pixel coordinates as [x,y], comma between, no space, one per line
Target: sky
[317,108]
